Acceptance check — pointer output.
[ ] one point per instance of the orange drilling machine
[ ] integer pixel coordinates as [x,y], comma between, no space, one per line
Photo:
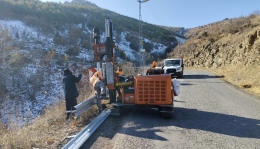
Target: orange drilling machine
[148,91]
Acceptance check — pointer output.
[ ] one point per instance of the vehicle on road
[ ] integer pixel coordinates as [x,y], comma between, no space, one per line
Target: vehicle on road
[174,67]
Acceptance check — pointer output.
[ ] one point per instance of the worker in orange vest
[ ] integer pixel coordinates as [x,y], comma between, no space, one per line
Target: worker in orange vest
[97,81]
[154,64]
[120,72]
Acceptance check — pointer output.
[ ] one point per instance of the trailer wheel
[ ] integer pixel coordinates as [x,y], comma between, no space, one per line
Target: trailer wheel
[167,112]
[159,109]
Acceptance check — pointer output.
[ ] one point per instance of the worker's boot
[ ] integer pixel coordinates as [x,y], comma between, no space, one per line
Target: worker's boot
[99,104]
[68,116]
[119,99]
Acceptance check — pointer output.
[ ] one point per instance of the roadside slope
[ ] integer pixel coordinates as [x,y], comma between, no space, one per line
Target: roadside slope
[230,48]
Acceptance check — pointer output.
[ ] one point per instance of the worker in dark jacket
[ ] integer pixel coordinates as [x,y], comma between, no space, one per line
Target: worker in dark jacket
[70,90]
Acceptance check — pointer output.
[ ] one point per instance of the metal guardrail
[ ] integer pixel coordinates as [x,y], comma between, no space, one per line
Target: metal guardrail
[84,106]
[82,136]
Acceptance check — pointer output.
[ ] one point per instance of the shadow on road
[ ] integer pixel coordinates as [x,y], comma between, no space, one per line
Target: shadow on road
[201,76]
[178,101]
[231,125]
[146,123]
[186,84]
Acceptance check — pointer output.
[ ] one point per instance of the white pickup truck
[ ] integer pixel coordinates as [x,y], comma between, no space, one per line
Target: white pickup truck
[173,66]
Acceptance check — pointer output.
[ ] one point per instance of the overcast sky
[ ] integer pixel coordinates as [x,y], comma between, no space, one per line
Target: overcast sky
[180,13]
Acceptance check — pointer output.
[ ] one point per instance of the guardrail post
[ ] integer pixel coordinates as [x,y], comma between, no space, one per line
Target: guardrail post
[84,106]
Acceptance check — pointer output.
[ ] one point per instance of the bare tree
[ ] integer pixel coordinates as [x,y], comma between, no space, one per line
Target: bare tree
[5,51]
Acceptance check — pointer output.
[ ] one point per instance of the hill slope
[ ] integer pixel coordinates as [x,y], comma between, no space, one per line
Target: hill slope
[39,40]
[230,47]
[71,23]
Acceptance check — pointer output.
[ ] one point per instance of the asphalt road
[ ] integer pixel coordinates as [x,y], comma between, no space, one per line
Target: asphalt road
[209,113]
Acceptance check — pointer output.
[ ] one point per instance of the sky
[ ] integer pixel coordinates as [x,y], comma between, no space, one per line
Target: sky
[179,13]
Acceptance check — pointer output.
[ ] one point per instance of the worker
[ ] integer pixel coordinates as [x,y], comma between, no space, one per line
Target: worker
[154,64]
[117,88]
[120,72]
[119,78]
[97,81]
[70,90]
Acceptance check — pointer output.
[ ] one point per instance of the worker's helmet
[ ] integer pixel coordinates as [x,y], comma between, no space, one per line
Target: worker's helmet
[66,72]
[154,64]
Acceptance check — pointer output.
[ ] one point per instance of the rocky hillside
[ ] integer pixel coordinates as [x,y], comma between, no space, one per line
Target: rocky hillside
[230,47]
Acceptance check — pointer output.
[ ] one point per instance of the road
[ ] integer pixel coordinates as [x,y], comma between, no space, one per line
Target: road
[209,113]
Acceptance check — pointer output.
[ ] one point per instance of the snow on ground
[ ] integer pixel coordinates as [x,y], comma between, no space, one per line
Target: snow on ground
[18,28]
[180,40]
[22,108]
[86,55]
[124,45]
[23,104]
[28,102]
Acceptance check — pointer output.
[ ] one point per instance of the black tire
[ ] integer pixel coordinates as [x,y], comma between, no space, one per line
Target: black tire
[159,109]
[181,75]
[112,96]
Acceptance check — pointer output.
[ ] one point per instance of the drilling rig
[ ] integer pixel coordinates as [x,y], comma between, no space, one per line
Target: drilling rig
[104,57]
[145,91]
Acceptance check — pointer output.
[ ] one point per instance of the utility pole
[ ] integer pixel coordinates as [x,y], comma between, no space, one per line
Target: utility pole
[140,32]
[178,48]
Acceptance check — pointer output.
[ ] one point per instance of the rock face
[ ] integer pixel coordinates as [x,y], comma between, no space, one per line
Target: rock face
[219,53]
[228,42]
